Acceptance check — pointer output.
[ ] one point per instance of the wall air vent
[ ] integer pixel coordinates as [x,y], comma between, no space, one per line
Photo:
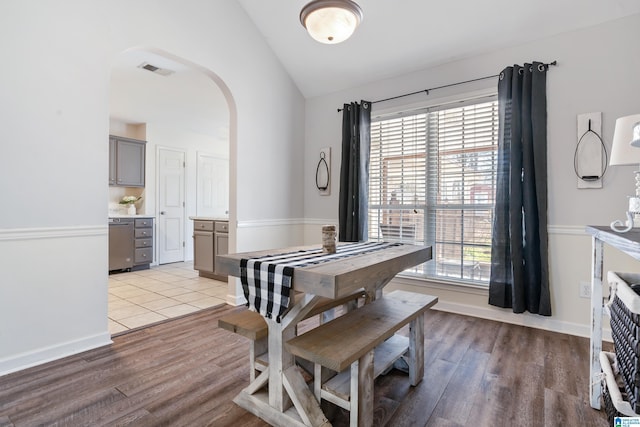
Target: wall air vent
[156,70]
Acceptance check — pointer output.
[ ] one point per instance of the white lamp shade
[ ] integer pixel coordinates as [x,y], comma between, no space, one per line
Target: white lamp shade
[331,21]
[635,142]
[622,152]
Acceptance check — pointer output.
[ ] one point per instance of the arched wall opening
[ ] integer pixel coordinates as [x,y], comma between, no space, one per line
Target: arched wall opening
[185,96]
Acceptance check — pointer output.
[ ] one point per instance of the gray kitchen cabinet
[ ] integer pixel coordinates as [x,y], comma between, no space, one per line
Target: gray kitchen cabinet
[126,162]
[221,245]
[112,160]
[203,246]
[210,238]
[130,243]
[143,243]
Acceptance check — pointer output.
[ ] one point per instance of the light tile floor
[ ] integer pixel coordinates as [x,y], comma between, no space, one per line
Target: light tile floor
[139,298]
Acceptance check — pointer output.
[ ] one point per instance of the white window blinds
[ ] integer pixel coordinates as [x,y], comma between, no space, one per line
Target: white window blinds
[432,181]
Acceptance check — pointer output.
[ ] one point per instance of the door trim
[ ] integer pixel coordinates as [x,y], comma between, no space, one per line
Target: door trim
[156,232]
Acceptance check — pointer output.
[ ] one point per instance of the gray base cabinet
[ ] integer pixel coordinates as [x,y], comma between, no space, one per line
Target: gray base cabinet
[143,243]
[210,238]
[221,245]
[203,246]
[130,243]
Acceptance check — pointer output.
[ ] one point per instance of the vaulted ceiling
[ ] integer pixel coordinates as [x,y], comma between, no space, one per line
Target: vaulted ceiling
[396,37]
[401,36]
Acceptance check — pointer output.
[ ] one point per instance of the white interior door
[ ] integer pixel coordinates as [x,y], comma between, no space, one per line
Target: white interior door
[171,206]
[212,186]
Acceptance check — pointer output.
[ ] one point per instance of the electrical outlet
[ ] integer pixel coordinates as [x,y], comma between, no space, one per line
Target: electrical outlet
[585,290]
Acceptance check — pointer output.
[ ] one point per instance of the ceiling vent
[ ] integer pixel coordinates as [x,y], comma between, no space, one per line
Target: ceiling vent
[156,70]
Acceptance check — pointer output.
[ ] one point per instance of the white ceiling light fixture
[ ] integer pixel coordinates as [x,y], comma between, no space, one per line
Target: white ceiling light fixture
[331,21]
[157,70]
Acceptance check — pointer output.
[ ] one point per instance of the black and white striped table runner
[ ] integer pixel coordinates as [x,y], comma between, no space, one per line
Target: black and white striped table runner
[266,281]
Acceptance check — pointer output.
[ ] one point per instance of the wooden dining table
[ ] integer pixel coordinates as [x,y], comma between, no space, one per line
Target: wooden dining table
[287,401]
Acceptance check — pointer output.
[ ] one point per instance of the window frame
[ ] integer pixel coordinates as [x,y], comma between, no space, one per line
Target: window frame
[434,105]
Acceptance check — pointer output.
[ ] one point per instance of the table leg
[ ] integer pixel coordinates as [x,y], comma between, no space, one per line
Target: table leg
[595,343]
[373,290]
[279,361]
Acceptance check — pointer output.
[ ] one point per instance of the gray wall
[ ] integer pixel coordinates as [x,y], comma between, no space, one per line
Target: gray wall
[597,71]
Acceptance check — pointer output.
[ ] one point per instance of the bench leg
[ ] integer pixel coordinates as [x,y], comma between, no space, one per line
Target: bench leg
[256,348]
[361,412]
[317,381]
[416,350]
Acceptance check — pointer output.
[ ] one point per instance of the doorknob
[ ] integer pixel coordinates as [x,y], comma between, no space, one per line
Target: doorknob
[162,212]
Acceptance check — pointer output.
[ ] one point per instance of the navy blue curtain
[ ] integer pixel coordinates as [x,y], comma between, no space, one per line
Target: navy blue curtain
[354,172]
[519,251]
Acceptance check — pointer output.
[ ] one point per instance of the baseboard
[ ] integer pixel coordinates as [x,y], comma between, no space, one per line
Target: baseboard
[525,319]
[55,352]
[236,300]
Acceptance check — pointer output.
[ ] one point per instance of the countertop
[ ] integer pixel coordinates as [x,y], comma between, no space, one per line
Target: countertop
[131,216]
[207,218]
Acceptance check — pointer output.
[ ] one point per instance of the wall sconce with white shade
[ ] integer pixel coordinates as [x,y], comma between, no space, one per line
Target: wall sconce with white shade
[626,137]
[331,21]
[635,142]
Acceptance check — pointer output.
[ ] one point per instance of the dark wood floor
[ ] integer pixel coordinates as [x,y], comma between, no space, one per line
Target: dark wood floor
[185,372]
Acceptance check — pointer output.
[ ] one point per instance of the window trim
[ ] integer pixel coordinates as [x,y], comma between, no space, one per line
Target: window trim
[441,284]
[429,106]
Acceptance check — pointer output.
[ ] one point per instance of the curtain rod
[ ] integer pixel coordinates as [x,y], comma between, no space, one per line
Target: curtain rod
[426,91]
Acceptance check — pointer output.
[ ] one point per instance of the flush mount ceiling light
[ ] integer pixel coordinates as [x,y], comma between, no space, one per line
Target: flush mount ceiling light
[331,21]
[162,71]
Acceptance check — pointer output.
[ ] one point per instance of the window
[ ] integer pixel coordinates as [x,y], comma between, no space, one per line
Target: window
[432,181]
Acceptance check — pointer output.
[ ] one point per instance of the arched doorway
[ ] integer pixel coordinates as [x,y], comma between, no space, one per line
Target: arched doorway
[186,111]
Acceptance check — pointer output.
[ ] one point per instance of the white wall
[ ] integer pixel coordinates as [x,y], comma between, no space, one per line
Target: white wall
[597,71]
[54,162]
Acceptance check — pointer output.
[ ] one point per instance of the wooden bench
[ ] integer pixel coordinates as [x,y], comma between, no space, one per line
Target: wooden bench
[363,340]
[252,325]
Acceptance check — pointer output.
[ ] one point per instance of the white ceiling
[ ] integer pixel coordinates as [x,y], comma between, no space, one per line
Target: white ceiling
[395,38]
[187,99]
[401,36]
